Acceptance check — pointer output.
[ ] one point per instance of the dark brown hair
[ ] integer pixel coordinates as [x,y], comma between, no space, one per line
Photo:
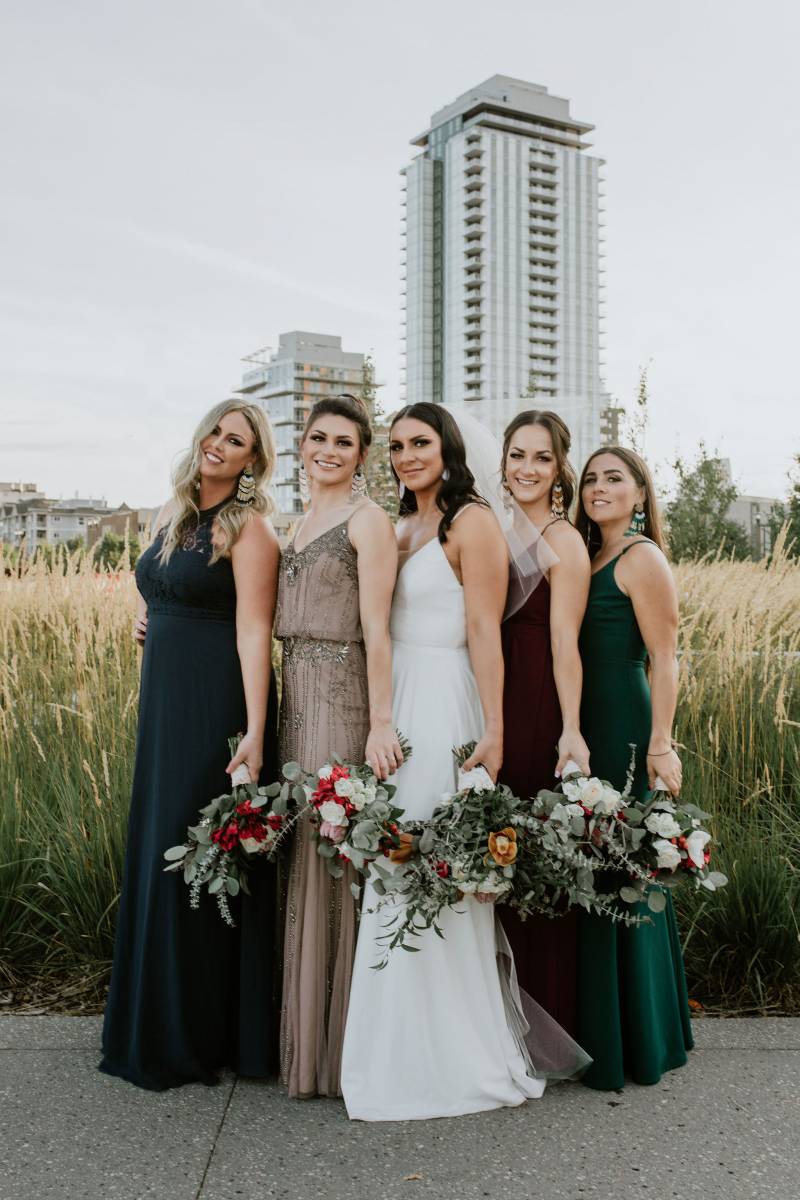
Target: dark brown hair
[590,531]
[561,439]
[343,405]
[458,488]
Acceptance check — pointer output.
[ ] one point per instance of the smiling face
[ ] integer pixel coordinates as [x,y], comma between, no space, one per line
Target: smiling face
[416,454]
[609,491]
[530,466]
[331,450]
[228,449]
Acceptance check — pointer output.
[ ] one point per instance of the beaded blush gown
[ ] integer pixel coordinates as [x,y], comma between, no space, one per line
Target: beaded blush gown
[324,710]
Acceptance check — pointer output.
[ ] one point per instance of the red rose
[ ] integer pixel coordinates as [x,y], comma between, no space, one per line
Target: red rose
[275,820]
[442,869]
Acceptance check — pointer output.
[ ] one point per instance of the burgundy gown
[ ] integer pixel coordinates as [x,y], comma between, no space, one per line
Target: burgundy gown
[544,948]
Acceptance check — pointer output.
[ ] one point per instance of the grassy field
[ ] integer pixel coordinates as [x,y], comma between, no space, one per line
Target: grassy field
[68,690]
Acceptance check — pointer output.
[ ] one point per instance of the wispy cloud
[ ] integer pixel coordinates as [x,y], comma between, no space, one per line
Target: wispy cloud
[223,260]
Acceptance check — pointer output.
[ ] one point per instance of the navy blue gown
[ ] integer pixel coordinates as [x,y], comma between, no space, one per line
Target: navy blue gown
[189,995]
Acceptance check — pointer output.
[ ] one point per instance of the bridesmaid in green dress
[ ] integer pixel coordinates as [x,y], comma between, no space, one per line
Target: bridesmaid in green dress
[632,1002]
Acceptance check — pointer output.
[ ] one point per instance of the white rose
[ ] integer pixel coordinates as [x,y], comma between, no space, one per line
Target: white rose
[344,787]
[668,855]
[662,824]
[610,802]
[325,772]
[458,871]
[695,845]
[493,885]
[477,779]
[358,801]
[591,790]
[574,810]
[251,846]
[572,791]
[468,887]
[333,813]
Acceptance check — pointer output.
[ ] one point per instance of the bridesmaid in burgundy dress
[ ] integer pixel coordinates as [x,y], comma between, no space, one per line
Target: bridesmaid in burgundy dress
[543,680]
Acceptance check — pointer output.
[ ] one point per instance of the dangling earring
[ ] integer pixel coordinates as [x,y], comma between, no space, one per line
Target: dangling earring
[197,485]
[401,490]
[358,487]
[445,474]
[638,521]
[557,501]
[246,491]
[508,495]
[305,486]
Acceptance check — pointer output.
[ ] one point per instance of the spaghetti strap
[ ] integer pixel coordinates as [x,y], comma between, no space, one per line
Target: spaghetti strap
[642,541]
[554,521]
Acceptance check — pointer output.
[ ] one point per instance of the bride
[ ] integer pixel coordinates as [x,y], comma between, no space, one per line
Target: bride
[442,1032]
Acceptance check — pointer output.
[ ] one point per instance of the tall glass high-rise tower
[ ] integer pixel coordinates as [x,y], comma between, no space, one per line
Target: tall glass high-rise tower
[503,260]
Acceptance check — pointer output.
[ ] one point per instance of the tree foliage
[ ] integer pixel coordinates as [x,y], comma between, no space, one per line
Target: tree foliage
[112,548]
[380,480]
[697,518]
[788,514]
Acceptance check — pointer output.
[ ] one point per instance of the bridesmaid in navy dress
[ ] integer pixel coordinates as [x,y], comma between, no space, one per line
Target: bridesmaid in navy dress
[189,995]
[543,677]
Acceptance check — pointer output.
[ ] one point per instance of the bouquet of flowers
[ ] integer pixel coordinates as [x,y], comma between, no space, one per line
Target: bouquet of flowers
[469,847]
[589,826]
[352,818]
[234,830]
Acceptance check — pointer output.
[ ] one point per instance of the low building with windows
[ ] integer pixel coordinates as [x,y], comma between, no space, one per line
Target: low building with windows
[305,368]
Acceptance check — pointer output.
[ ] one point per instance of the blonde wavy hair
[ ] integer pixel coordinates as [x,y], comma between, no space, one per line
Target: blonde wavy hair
[233,516]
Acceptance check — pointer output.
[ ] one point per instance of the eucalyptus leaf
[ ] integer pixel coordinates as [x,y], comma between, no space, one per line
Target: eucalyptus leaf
[335,870]
[355,890]
[325,849]
[174,853]
[232,885]
[717,878]
[656,901]
[280,807]
[427,841]
[630,895]
[379,887]
[292,771]
[299,794]
[216,884]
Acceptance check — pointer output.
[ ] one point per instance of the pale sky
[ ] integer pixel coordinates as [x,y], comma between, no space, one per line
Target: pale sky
[183,180]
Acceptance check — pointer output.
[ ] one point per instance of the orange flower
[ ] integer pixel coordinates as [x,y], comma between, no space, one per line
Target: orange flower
[404,851]
[503,846]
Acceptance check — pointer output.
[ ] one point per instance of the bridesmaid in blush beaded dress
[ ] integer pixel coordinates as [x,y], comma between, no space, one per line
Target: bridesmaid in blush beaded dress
[541,696]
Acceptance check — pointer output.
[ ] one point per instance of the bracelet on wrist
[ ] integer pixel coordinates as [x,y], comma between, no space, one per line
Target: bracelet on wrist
[659,753]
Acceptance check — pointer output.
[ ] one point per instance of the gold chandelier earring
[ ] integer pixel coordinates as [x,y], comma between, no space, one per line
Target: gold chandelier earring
[557,501]
[246,491]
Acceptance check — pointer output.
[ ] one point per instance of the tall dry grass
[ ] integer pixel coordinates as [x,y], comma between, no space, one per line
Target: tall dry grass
[739,720]
[68,693]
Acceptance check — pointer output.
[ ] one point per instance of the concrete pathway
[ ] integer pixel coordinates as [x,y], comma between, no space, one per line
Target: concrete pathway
[726,1126]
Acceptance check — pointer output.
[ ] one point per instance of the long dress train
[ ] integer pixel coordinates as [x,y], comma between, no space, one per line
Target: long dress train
[431,1034]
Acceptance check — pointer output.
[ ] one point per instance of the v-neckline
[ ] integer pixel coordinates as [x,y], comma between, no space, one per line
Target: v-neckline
[324,533]
[419,550]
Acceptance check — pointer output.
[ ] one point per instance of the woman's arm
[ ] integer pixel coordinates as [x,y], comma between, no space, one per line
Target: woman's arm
[371,533]
[569,591]
[483,562]
[255,557]
[644,575]
[140,619]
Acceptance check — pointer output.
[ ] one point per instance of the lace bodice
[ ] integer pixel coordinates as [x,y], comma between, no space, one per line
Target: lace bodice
[318,589]
[187,586]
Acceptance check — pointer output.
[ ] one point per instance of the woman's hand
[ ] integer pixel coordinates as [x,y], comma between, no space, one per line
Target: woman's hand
[251,753]
[668,768]
[487,753]
[572,746]
[383,753]
[140,628]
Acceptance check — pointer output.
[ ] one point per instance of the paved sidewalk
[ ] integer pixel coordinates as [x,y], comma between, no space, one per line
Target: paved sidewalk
[726,1126]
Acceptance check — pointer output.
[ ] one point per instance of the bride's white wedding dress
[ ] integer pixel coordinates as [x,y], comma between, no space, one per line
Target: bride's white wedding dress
[430,1035]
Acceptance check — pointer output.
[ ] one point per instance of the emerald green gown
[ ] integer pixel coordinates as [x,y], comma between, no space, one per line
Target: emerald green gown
[633,1012]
